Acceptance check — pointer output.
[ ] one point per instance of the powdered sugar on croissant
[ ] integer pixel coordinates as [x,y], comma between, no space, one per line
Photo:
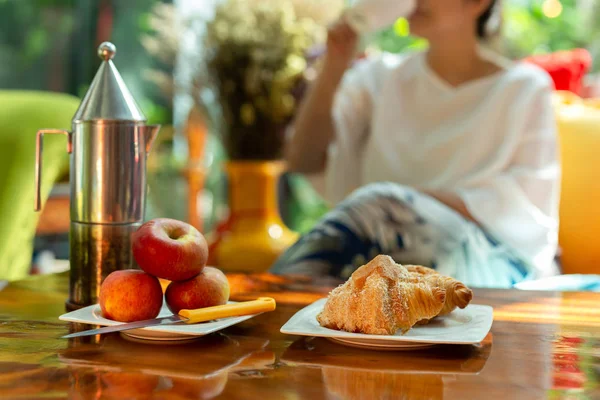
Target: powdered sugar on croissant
[381,298]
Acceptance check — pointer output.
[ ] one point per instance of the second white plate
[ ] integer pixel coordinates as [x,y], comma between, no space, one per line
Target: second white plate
[468,326]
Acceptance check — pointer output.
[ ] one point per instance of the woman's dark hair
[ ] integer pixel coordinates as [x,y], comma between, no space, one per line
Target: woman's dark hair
[482,21]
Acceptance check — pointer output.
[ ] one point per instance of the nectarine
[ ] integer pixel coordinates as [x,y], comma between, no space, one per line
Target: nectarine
[169,249]
[130,295]
[209,288]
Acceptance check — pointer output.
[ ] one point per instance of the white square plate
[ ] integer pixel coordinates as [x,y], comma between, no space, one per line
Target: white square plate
[93,315]
[468,326]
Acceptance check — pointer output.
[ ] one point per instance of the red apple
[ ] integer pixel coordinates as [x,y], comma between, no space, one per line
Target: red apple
[130,295]
[170,249]
[208,289]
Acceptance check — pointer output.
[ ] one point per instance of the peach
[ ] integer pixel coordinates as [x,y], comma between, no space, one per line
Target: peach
[169,249]
[130,295]
[208,289]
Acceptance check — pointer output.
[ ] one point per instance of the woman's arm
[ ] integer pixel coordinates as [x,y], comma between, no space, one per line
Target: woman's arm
[306,151]
[314,130]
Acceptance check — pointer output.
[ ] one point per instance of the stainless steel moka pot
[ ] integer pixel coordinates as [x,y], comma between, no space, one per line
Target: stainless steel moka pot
[108,146]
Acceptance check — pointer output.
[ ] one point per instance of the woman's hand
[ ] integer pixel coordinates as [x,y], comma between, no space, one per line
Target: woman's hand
[342,44]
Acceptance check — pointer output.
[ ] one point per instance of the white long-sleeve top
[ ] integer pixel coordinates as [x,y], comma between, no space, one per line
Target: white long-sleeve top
[492,141]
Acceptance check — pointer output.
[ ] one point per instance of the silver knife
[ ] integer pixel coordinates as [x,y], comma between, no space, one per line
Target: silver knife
[173,319]
[263,304]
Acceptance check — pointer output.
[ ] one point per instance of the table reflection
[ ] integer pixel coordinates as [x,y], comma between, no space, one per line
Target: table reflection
[120,368]
[575,365]
[348,384]
[350,373]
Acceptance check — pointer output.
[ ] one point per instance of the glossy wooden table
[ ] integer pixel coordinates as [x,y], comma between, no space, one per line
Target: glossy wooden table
[542,345]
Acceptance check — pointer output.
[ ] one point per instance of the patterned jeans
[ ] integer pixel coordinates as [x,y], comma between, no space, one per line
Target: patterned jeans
[409,226]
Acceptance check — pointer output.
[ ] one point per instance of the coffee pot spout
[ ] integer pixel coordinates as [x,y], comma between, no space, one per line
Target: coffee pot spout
[150,132]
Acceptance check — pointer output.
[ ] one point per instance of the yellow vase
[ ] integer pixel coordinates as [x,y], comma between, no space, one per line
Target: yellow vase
[254,235]
[579,128]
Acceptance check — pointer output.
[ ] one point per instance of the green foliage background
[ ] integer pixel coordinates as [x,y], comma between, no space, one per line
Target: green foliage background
[526,30]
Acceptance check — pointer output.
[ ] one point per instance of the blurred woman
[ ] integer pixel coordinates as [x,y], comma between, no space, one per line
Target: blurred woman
[454,150]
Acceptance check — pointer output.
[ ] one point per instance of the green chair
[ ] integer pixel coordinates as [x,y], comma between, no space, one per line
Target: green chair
[22,113]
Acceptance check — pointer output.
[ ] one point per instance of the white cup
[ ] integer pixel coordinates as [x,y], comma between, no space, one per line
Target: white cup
[367,16]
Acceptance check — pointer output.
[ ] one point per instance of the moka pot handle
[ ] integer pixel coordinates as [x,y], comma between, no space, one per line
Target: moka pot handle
[39,153]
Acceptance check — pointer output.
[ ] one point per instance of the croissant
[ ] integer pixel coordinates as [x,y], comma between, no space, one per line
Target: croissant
[420,270]
[381,298]
[457,293]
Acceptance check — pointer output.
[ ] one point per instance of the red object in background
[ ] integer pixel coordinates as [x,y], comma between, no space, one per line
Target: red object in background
[566,382]
[566,68]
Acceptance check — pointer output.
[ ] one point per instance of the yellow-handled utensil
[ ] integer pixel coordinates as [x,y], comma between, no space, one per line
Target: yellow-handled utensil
[262,304]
